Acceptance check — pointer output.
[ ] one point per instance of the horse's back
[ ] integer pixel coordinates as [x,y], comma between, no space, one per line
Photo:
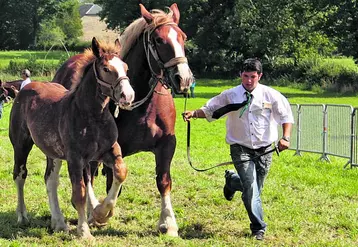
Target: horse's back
[44,90]
[37,100]
[64,75]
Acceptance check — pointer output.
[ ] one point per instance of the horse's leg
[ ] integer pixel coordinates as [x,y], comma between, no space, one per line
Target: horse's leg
[76,170]
[22,149]
[105,210]
[52,181]
[92,201]
[163,156]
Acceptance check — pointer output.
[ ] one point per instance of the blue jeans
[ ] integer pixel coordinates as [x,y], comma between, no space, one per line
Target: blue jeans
[1,106]
[249,180]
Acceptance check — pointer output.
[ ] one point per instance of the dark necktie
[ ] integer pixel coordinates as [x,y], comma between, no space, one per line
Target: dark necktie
[248,101]
[233,107]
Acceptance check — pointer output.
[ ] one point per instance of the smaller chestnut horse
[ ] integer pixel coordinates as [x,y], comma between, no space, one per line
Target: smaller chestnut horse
[76,126]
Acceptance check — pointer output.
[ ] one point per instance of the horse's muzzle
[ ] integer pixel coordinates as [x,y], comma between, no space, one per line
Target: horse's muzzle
[126,94]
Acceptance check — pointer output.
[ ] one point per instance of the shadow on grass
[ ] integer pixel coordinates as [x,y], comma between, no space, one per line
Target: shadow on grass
[36,227]
[194,231]
[39,227]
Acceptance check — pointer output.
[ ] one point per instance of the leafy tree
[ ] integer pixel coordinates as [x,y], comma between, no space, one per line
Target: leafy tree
[50,34]
[20,21]
[221,33]
[342,26]
[69,20]
[15,28]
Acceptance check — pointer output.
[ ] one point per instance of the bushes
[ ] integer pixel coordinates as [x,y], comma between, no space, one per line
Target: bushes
[334,74]
[37,68]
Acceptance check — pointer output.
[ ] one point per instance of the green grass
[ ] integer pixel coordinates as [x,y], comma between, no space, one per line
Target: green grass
[41,56]
[306,202]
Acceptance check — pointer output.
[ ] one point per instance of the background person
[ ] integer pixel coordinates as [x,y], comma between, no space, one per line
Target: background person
[25,75]
[253,111]
[192,87]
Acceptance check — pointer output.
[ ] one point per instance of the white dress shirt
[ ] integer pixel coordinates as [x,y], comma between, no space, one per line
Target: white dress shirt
[257,127]
[25,82]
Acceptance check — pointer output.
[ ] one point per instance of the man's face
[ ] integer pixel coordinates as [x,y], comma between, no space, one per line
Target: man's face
[250,80]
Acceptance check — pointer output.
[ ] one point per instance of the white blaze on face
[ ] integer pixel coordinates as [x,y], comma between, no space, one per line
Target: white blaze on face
[126,87]
[183,68]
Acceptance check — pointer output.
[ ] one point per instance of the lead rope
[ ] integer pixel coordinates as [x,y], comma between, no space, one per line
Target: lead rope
[274,149]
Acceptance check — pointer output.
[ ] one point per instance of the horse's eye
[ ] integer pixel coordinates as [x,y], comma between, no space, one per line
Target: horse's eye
[106,69]
[159,41]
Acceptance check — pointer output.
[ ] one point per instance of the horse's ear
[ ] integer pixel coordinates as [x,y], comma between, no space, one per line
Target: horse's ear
[95,47]
[176,13]
[145,14]
[117,43]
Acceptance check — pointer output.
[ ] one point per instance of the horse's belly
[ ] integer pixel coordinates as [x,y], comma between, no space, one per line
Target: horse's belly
[49,143]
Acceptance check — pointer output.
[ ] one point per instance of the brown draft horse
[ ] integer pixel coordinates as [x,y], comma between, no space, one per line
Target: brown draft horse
[153,48]
[76,126]
[8,87]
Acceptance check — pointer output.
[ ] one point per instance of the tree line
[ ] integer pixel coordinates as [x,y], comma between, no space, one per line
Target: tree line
[221,33]
[26,24]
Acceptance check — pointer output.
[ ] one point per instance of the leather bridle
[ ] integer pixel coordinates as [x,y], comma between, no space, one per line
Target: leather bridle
[110,88]
[151,50]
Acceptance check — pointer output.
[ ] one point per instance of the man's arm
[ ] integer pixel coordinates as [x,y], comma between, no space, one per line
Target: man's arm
[284,142]
[15,90]
[193,114]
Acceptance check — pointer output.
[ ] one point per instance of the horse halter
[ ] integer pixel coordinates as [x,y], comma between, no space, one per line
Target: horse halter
[107,89]
[150,48]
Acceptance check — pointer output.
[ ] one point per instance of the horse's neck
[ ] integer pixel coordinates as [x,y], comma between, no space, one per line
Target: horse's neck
[139,71]
[88,97]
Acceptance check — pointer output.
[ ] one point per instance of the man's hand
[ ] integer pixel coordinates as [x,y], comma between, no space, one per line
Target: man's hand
[188,115]
[283,145]
[15,90]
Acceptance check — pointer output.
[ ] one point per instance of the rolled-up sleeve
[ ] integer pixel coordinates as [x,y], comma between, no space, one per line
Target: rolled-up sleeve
[215,103]
[282,111]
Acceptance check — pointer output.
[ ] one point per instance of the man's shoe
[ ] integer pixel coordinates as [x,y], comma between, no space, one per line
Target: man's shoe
[259,235]
[228,193]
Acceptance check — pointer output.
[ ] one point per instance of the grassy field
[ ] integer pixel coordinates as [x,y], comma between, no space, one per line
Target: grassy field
[41,56]
[306,202]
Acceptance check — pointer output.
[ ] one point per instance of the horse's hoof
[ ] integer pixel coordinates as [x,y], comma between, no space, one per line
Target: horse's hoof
[171,231]
[99,217]
[59,226]
[84,233]
[94,223]
[23,220]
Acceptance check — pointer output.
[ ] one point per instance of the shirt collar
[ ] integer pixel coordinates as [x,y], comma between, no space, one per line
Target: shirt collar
[255,92]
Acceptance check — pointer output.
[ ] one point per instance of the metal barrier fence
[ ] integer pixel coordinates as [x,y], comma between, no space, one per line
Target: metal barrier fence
[326,129]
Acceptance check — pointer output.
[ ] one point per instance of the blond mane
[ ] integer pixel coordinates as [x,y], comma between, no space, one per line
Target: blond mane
[87,58]
[136,28]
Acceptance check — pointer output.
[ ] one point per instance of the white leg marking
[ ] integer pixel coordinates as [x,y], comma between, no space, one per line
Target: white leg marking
[167,223]
[57,219]
[82,226]
[92,202]
[21,207]
[104,210]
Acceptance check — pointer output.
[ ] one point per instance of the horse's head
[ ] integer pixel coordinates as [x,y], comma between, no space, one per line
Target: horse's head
[164,46]
[111,75]
[3,91]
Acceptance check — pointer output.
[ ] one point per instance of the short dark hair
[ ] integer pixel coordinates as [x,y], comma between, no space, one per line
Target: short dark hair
[252,64]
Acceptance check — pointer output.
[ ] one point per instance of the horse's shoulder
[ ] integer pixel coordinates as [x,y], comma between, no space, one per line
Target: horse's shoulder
[47,90]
